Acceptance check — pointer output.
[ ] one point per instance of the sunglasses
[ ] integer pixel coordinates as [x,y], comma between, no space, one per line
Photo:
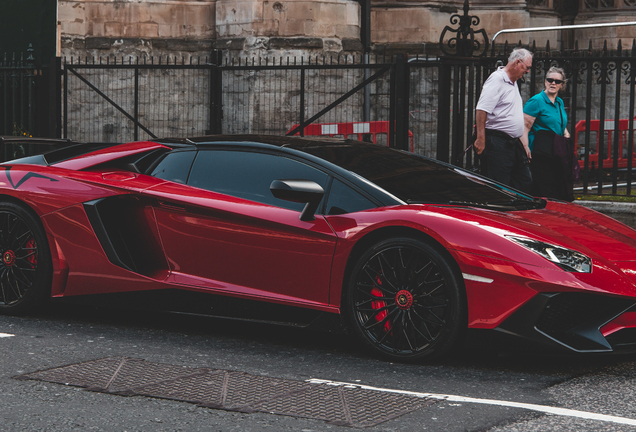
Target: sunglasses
[552,80]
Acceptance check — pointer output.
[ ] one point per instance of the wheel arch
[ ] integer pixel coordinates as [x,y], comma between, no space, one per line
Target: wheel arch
[43,281]
[385,233]
[17,201]
[29,208]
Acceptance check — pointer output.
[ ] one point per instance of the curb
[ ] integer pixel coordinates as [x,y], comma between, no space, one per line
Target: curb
[622,211]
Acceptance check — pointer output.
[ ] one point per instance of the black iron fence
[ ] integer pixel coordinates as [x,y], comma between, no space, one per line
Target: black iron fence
[17,92]
[599,99]
[338,96]
[29,96]
[113,100]
[126,99]
[425,105]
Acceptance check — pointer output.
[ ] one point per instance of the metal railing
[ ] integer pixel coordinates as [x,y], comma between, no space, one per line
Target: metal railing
[17,94]
[553,28]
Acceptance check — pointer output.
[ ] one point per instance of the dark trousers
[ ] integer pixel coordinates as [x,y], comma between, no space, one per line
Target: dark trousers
[505,160]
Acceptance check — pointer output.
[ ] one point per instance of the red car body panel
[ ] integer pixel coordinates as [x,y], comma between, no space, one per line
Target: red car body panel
[475,239]
[220,242]
[85,269]
[260,237]
[210,242]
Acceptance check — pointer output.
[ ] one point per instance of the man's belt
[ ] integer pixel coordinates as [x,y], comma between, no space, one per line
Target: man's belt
[500,134]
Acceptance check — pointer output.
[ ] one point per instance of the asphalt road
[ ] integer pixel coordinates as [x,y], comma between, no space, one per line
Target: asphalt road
[477,391]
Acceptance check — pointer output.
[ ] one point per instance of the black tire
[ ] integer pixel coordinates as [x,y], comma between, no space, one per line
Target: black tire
[25,261]
[406,301]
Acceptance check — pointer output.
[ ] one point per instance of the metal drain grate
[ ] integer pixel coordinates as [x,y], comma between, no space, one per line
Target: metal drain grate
[234,391]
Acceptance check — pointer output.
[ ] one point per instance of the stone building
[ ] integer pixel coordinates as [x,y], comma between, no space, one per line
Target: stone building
[293,27]
[180,103]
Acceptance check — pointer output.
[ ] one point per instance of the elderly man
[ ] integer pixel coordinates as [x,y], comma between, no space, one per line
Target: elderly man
[500,123]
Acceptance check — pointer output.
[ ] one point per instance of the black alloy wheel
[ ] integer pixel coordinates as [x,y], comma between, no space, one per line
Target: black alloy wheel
[406,301]
[25,267]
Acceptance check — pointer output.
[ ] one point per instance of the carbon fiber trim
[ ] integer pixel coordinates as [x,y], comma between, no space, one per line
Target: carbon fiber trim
[567,320]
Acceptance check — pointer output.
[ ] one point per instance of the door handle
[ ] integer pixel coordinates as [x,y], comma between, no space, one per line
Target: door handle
[170,206]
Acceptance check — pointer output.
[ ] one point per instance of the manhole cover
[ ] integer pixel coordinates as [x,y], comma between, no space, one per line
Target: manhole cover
[235,391]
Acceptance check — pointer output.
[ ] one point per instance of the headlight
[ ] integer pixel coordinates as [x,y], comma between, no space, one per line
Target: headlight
[567,259]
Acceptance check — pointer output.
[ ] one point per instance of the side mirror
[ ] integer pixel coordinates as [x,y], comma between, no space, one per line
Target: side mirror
[300,191]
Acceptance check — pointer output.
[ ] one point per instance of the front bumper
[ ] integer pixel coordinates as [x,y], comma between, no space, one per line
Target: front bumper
[580,322]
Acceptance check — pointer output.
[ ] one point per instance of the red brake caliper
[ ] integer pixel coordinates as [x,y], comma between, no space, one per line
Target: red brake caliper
[379,304]
[33,259]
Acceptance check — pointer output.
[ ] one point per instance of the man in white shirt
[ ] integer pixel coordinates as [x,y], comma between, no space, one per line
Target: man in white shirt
[499,121]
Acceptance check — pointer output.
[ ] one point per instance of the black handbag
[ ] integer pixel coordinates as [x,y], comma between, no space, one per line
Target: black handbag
[543,143]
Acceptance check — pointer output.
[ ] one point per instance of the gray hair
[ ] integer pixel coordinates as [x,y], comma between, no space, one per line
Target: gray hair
[560,71]
[518,54]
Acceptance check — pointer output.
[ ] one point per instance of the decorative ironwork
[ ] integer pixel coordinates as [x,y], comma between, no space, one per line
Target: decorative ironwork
[582,72]
[626,71]
[464,43]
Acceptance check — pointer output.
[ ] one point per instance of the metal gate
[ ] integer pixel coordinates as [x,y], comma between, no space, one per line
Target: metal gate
[129,99]
[117,101]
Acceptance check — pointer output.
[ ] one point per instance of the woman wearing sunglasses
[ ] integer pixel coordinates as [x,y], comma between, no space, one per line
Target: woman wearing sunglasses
[545,117]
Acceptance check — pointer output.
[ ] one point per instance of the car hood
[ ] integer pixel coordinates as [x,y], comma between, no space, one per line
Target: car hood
[576,227]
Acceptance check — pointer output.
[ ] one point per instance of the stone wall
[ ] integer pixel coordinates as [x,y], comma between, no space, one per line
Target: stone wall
[624,212]
[303,27]
[605,12]
[337,19]
[186,28]
[278,27]
[424,21]
[99,28]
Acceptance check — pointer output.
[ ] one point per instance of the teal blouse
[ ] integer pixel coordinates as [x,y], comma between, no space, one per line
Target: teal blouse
[549,116]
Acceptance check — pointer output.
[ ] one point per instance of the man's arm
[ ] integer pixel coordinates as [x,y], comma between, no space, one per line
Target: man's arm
[480,123]
[528,121]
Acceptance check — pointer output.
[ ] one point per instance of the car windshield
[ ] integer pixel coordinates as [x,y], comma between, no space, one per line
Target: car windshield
[416,179]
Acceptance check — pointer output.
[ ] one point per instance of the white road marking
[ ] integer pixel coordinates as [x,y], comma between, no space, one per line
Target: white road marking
[451,398]
[3,335]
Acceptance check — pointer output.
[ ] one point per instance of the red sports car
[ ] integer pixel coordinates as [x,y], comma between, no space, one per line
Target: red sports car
[411,251]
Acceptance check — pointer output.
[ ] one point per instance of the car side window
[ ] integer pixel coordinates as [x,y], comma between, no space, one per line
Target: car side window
[343,199]
[248,175]
[175,166]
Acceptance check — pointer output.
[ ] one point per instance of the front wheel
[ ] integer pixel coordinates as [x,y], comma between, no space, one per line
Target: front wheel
[25,262]
[406,301]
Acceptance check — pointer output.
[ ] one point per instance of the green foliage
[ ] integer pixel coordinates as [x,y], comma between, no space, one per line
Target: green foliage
[19,130]
[612,198]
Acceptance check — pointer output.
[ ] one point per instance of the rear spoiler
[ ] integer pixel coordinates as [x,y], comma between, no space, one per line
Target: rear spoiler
[60,155]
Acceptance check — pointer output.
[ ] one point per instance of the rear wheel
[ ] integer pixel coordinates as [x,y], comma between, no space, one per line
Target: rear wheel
[25,262]
[406,301]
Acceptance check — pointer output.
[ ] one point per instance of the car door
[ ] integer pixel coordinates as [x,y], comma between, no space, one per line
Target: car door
[223,230]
